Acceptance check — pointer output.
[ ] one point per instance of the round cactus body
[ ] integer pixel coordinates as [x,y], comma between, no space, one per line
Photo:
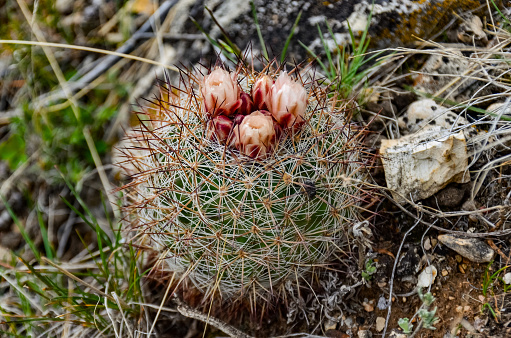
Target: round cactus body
[232,221]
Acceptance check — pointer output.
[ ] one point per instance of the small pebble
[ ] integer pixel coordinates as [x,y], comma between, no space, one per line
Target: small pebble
[364,334]
[444,272]
[380,324]
[434,241]
[427,277]
[461,268]
[458,258]
[382,284]
[507,278]
[451,298]
[427,244]
[459,309]
[404,299]
[330,325]
[369,307]
[466,308]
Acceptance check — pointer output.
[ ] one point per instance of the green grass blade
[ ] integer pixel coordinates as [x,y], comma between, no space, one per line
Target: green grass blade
[506,20]
[21,229]
[321,64]
[234,49]
[213,41]
[259,34]
[331,72]
[44,234]
[290,36]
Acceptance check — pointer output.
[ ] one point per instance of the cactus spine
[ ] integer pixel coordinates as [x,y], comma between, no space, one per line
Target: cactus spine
[236,224]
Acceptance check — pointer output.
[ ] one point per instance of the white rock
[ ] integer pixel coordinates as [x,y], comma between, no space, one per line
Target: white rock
[500,108]
[380,324]
[427,277]
[419,165]
[432,76]
[427,114]
[507,278]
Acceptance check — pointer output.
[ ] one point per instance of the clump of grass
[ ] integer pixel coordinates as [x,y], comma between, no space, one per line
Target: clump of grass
[346,68]
[98,293]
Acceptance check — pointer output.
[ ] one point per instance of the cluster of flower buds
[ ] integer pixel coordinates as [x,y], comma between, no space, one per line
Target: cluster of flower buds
[253,123]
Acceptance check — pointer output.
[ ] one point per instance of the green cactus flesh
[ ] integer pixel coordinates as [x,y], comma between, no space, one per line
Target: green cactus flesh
[232,224]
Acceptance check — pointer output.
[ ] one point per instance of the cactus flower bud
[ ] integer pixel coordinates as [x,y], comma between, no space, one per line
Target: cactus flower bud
[261,92]
[220,128]
[255,136]
[221,93]
[288,101]
[247,106]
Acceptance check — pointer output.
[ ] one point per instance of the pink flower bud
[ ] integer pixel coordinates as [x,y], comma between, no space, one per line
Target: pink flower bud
[261,92]
[255,136]
[288,102]
[220,129]
[220,92]
[247,105]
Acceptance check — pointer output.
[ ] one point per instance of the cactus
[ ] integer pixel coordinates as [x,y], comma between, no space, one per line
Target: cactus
[238,224]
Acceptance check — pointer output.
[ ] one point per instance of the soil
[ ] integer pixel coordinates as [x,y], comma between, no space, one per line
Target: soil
[470,302]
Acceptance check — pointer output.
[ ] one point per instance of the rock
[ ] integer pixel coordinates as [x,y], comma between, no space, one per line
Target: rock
[434,241]
[427,244]
[380,324]
[364,334]
[419,165]
[462,268]
[507,278]
[450,197]
[500,108]
[473,249]
[426,113]
[408,262]
[427,277]
[330,325]
[397,334]
[368,306]
[471,31]
[444,273]
[382,303]
[440,69]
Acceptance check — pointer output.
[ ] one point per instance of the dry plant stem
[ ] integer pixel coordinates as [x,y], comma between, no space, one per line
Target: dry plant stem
[215,322]
[70,275]
[50,56]
[100,67]
[88,49]
[420,208]
[102,175]
[391,282]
